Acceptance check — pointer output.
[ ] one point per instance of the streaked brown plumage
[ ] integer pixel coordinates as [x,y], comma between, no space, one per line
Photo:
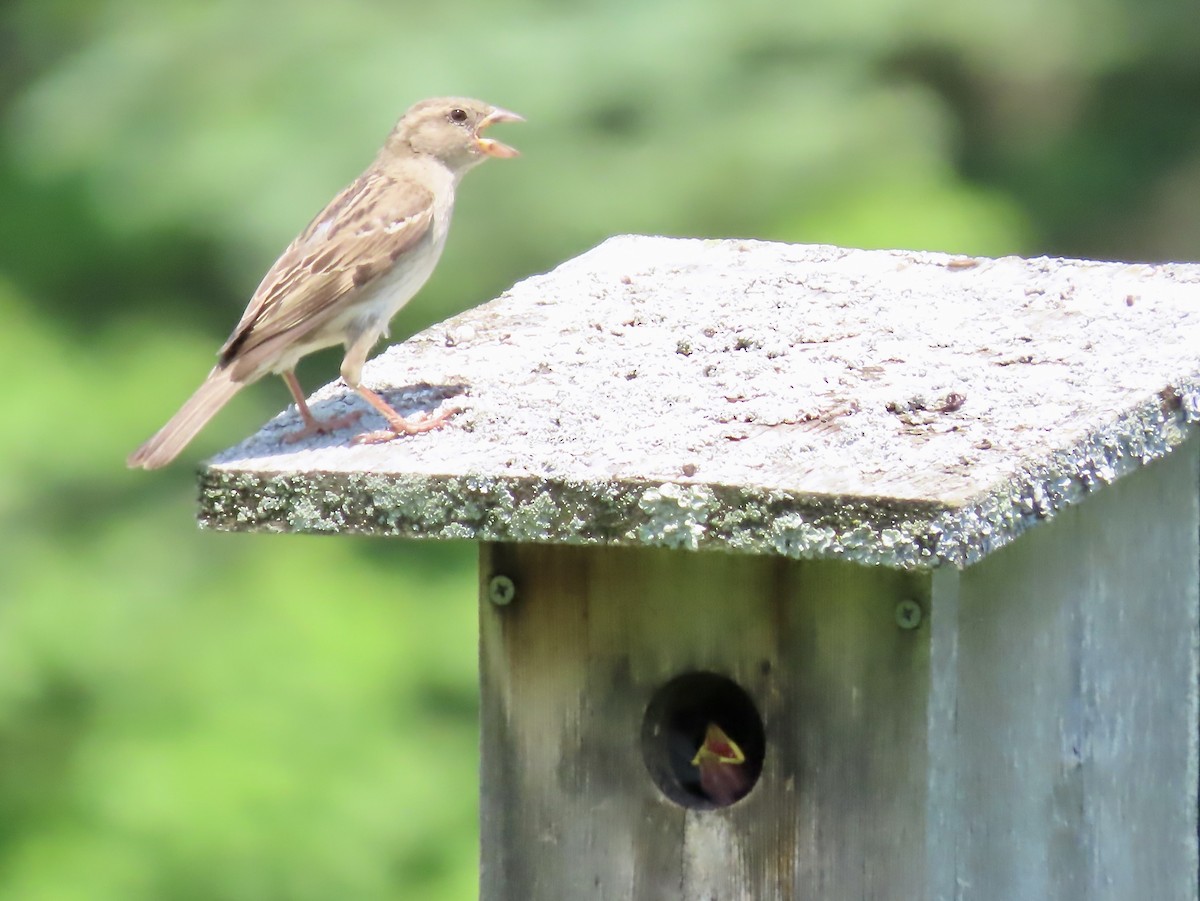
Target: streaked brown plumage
[344,277]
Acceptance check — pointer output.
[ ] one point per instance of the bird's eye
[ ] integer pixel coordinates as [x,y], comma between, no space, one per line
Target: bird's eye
[458,115]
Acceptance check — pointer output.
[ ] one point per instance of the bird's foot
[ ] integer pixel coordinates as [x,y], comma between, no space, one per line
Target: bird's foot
[313,426]
[400,427]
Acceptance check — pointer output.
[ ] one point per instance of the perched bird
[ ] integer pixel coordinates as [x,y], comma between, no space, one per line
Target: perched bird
[723,776]
[348,273]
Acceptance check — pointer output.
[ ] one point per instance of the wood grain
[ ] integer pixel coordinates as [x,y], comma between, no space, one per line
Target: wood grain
[568,669]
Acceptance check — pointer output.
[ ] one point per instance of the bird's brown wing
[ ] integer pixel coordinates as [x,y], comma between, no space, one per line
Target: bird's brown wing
[354,240]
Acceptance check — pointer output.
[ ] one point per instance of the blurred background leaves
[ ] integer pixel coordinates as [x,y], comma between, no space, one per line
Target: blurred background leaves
[190,715]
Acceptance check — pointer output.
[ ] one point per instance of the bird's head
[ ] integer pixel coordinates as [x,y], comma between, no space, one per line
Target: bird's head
[450,129]
[722,769]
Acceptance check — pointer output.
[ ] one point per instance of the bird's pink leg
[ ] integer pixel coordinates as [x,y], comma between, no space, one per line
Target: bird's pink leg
[312,425]
[398,426]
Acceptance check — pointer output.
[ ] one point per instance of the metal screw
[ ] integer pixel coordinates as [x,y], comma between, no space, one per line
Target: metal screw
[501,590]
[908,614]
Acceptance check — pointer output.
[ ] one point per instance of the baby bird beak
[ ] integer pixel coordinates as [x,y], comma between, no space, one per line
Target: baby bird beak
[491,146]
[722,768]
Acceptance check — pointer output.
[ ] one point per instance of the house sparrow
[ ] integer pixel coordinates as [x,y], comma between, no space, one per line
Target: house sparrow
[723,777]
[348,273]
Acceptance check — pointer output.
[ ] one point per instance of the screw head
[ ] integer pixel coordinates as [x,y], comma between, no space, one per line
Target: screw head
[908,614]
[501,590]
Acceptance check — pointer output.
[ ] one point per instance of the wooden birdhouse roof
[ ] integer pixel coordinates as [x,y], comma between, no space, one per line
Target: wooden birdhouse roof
[899,408]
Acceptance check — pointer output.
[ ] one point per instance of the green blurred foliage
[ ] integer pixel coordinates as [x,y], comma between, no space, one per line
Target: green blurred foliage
[190,715]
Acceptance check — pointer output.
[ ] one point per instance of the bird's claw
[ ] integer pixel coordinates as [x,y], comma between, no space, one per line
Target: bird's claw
[322,426]
[403,427]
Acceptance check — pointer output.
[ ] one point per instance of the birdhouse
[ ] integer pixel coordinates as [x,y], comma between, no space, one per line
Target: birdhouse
[805,572]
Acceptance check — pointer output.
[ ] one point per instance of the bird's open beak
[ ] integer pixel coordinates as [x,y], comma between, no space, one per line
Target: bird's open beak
[718,747]
[491,146]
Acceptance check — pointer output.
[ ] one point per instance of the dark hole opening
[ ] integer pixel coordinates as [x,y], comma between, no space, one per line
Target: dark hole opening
[678,722]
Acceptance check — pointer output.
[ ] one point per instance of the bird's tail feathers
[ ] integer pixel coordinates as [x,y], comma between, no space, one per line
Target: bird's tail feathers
[165,445]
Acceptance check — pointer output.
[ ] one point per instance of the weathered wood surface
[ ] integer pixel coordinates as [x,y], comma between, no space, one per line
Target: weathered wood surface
[569,810]
[1074,741]
[1034,737]
[901,408]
